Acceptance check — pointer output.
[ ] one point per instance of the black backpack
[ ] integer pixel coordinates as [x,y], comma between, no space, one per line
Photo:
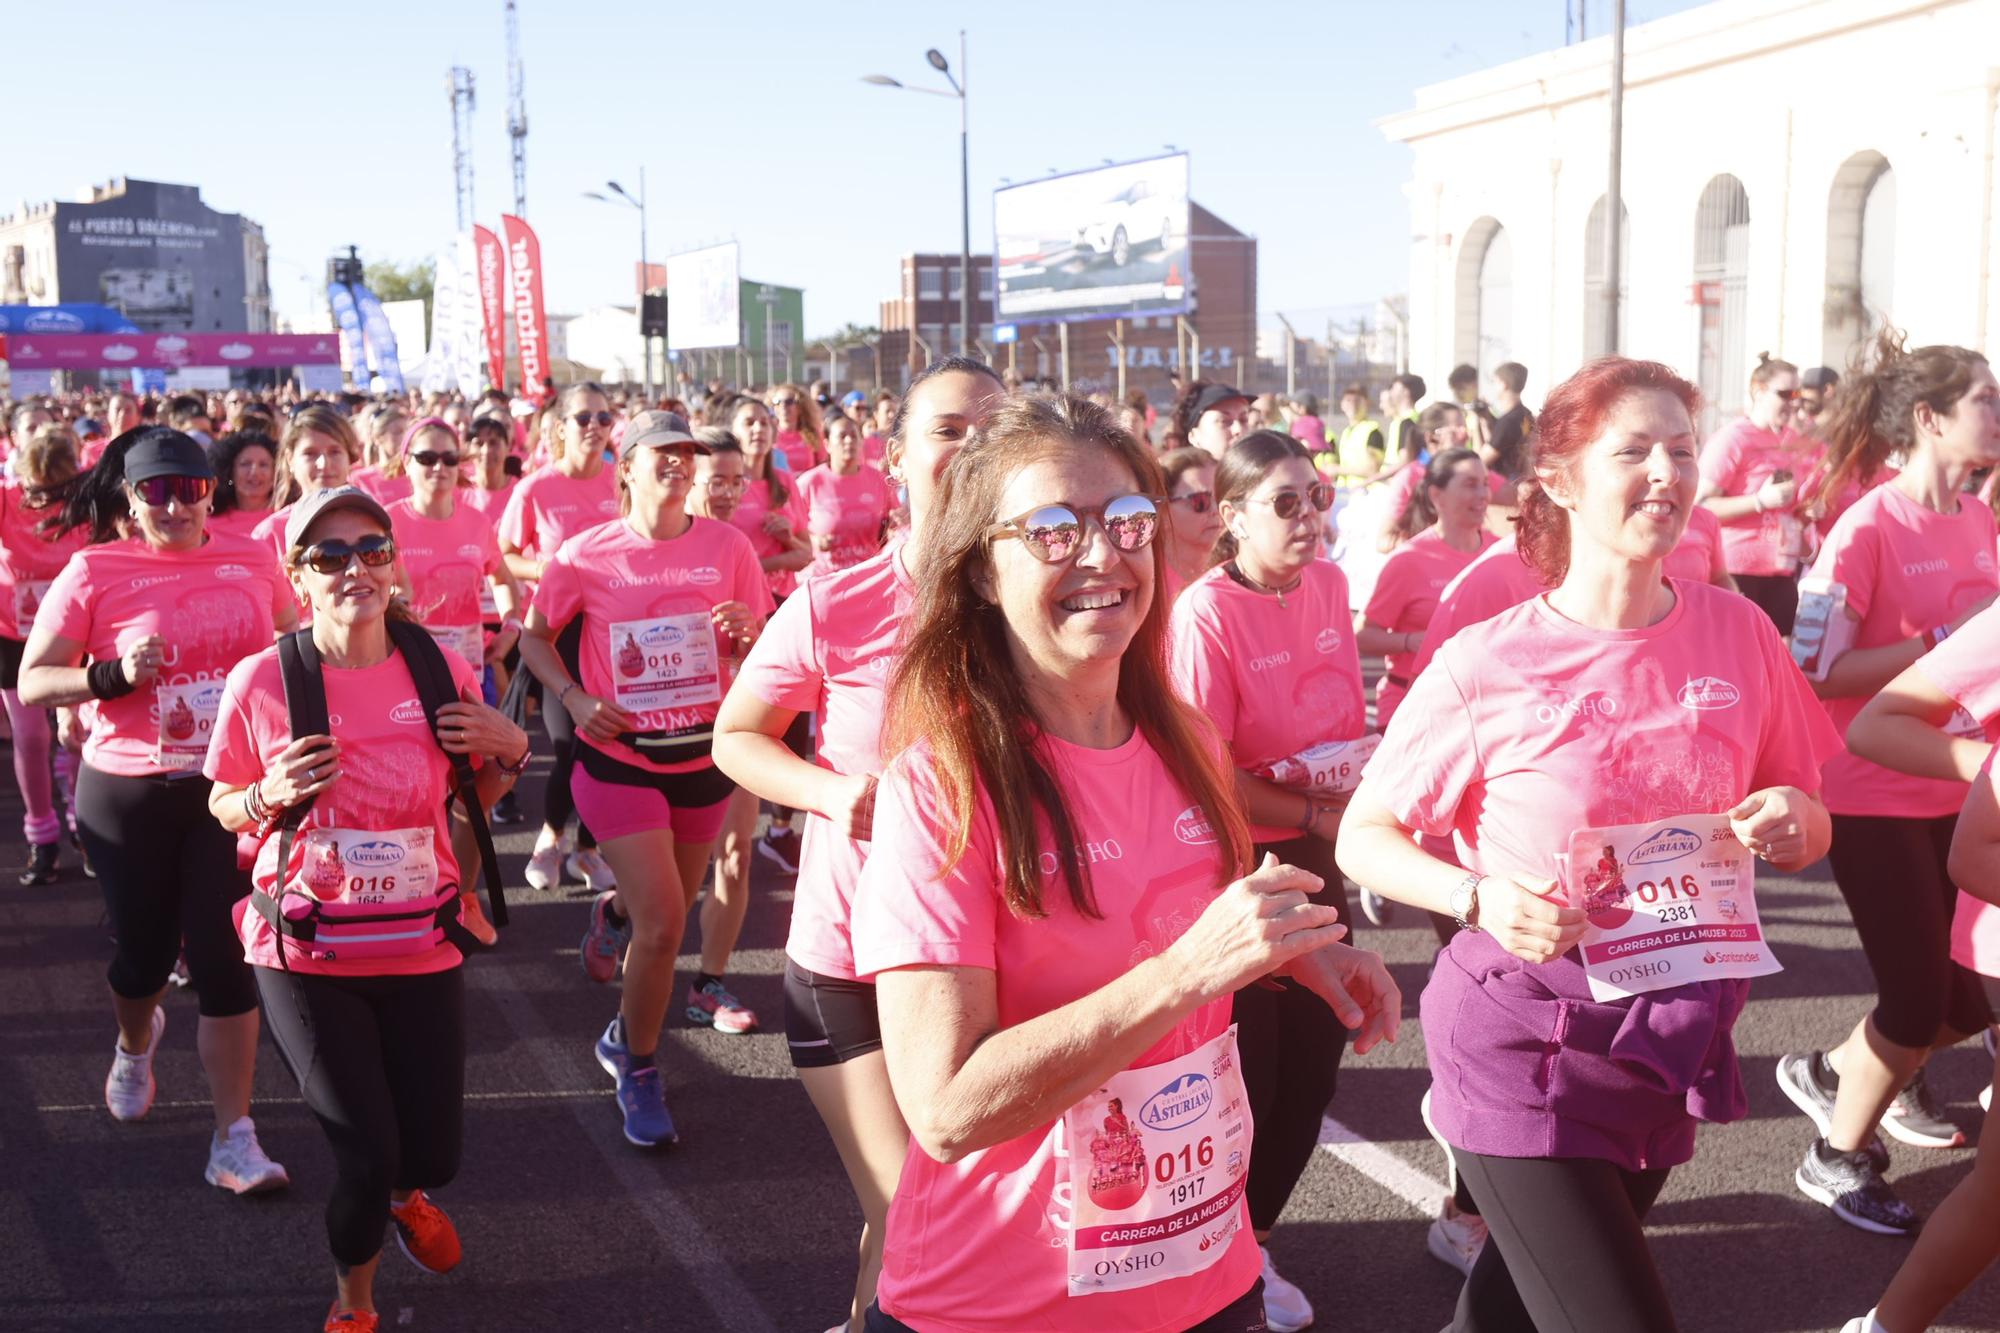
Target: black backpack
[305,703]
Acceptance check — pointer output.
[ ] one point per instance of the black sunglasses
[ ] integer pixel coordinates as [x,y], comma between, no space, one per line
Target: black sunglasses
[1198,502]
[584,419]
[1286,504]
[331,557]
[157,491]
[431,458]
[1053,533]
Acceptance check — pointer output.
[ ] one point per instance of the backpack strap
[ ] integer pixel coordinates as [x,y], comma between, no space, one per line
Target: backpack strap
[305,705]
[432,674]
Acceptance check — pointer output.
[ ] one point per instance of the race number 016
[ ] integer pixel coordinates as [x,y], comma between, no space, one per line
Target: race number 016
[1669,888]
[1192,1157]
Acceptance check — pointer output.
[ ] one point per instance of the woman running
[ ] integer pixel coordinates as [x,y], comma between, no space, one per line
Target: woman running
[373,1030]
[1443,531]
[827,654]
[573,494]
[1751,471]
[484,465]
[1914,560]
[659,598]
[1057,909]
[317,451]
[383,476]
[1263,646]
[162,614]
[1618,706]
[44,468]
[1194,523]
[246,474]
[844,503]
[799,437]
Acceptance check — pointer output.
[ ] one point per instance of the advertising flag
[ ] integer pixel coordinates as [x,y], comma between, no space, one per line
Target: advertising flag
[468,338]
[348,320]
[491,266]
[380,339]
[524,291]
[441,356]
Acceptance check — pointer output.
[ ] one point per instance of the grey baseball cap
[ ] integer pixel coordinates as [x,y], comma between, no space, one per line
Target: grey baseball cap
[321,503]
[655,427]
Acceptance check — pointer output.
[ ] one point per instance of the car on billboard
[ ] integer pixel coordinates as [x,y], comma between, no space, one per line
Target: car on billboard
[1110,240]
[1135,215]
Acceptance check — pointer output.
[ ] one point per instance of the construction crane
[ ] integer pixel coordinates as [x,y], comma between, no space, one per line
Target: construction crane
[459,82]
[517,111]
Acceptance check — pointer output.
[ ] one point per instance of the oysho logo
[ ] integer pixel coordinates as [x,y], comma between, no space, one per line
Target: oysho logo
[1669,844]
[232,572]
[1191,826]
[633,581]
[1181,1102]
[408,712]
[1271,661]
[375,855]
[1591,704]
[1329,640]
[154,580]
[1916,567]
[1709,692]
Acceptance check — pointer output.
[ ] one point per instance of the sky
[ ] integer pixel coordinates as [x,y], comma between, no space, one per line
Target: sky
[330,125]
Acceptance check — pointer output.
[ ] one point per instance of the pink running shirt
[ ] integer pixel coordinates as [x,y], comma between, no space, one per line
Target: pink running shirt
[1966,666]
[1406,596]
[29,561]
[748,519]
[386,489]
[548,507]
[800,456]
[238,522]
[1698,555]
[978,1246]
[490,503]
[449,562]
[848,509]
[1497,580]
[1738,460]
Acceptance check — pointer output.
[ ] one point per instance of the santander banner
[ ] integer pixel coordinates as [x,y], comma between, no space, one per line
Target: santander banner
[95,351]
[524,292]
[490,263]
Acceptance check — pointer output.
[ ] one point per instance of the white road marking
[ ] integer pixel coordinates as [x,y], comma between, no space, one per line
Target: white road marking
[1384,1167]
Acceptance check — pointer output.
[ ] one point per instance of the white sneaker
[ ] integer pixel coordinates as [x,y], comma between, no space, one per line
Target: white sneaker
[544,870]
[1286,1309]
[236,1162]
[1376,908]
[129,1087]
[1866,1323]
[589,866]
[1456,1238]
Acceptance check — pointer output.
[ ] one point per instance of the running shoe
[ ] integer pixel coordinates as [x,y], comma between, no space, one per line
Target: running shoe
[1286,1309]
[41,867]
[712,1005]
[611,1052]
[82,856]
[236,1162]
[507,811]
[425,1235]
[604,942]
[1914,1117]
[1376,908]
[780,846]
[1456,1237]
[586,864]
[544,870]
[351,1321]
[1849,1184]
[472,917]
[1812,1085]
[1866,1323]
[179,978]
[129,1087]
[643,1103]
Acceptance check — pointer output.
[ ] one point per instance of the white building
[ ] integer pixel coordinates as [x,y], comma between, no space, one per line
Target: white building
[1795,171]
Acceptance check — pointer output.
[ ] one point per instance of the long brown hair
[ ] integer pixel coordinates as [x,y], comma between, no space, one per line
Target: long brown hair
[957,689]
[1422,512]
[1874,417]
[317,418]
[1243,468]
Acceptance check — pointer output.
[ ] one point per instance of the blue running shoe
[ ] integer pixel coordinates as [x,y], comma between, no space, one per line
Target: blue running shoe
[640,1097]
[611,1051]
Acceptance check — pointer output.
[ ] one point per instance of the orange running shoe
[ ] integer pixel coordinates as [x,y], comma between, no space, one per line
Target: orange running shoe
[351,1321]
[425,1234]
[473,917]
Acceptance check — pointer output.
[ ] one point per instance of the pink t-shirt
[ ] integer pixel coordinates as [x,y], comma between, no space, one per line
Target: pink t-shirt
[29,561]
[548,507]
[800,455]
[1698,555]
[1273,679]
[630,588]
[748,519]
[1406,596]
[383,487]
[848,509]
[448,561]
[213,607]
[1497,580]
[828,651]
[238,522]
[977,1246]
[490,503]
[269,529]
[875,451]
[1737,461]
[392,777]
[1966,666]
[1311,432]
[1906,569]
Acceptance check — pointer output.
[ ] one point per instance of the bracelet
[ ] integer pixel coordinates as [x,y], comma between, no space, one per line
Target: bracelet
[1310,817]
[253,804]
[520,766]
[562,697]
[1936,635]
[511,623]
[108,680]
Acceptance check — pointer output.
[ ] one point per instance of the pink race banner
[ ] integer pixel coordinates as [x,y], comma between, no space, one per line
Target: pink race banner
[491,262]
[170,351]
[524,290]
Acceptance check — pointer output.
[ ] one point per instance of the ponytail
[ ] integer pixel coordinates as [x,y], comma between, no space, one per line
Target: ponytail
[97,504]
[1873,416]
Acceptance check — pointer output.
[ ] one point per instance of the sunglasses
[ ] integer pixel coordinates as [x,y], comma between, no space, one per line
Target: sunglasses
[784,402]
[431,458]
[585,420]
[726,485]
[1809,407]
[155,492]
[1198,502]
[1289,504]
[1053,533]
[1786,394]
[331,557]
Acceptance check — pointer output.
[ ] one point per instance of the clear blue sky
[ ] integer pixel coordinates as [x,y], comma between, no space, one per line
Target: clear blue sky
[329,124]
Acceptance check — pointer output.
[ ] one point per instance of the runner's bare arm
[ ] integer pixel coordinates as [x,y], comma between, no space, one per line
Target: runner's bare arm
[1975,844]
[750,748]
[1787,827]
[1903,728]
[1864,671]
[52,675]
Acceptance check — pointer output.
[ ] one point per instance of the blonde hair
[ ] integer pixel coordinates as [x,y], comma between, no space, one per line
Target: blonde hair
[318,419]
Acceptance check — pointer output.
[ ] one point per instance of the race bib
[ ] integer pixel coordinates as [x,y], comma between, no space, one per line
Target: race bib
[468,641]
[1822,629]
[488,608]
[1964,726]
[364,868]
[187,716]
[667,662]
[1157,1161]
[1331,768]
[1668,903]
[28,595]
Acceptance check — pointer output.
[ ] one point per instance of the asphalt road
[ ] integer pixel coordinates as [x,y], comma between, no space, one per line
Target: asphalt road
[748,1225]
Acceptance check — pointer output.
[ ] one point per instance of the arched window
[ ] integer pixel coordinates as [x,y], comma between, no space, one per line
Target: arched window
[1721,287]
[1860,254]
[1484,327]
[1594,341]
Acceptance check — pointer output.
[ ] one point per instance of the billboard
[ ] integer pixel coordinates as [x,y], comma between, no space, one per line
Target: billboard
[159,255]
[1109,241]
[704,306]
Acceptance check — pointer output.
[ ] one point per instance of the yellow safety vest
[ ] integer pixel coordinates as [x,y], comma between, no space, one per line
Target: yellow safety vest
[1354,452]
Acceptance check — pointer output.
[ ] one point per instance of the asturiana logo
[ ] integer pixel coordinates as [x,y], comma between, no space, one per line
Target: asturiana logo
[1191,826]
[375,855]
[664,636]
[1709,692]
[1181,1102]
[408,711]
[1669,844]
[1328,640]
[232,571]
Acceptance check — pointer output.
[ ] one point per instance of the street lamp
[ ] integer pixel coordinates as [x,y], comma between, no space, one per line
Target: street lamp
[943,66]
[618,195]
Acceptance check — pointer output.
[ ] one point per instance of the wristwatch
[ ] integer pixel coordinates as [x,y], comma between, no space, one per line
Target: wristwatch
[1465,902]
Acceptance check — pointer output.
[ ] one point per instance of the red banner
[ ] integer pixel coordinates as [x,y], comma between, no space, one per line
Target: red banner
[524,293]
[170,351]
[492,262]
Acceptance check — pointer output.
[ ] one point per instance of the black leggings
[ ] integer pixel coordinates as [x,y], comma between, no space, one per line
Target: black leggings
[170,878]
[557,803]
[1245,1314]
[1892,873]
[1291,1045]
[381,1063]
[1568,1252]
[1776,595]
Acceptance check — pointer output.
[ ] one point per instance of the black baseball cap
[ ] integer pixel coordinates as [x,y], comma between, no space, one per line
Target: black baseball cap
[1215,395]
[162,451]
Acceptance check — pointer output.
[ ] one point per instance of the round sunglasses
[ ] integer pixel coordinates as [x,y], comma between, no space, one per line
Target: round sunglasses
[585,420]
[332,556]
[1198,502]
[1053,533]
[1289,504]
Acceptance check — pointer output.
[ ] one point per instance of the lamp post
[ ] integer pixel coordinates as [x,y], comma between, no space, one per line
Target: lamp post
[619,196]
[943,66]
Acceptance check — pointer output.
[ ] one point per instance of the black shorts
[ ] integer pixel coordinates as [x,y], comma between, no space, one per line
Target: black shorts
[828,1020]
[689,790]
[10,663]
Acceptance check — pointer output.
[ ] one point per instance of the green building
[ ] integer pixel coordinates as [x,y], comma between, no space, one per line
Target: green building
[774,321]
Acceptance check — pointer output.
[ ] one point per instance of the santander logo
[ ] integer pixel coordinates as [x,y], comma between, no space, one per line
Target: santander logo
[1191,826]
[409,711]
[1706,693]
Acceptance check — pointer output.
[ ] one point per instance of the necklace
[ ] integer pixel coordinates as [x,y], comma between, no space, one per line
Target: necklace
[1235,572]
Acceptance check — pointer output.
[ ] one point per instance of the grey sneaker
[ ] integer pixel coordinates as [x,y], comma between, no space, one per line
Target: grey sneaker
[1812,1085]
[1914,1117]
[236,1162]
[1849,1184]
[129,1087]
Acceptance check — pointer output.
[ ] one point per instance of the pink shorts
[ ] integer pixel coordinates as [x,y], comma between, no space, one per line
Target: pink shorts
[616,810]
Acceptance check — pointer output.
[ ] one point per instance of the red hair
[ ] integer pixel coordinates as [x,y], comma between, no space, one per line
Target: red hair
[1572,416]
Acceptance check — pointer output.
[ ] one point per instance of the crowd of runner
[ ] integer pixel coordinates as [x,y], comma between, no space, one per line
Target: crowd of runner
[1054,707]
